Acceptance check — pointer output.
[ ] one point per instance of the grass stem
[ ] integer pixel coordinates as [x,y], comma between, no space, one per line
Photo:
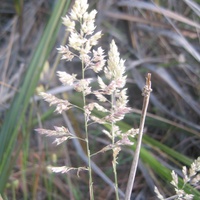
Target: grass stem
[146,93]
[114,163]
[87,142]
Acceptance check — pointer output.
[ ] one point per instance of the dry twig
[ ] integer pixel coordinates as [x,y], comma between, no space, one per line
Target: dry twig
[146,93]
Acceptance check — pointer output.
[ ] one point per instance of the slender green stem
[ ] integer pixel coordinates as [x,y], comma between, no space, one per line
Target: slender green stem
[114,163]
[87,142]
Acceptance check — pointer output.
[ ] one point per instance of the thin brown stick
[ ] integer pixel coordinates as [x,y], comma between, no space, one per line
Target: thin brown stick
[146,93]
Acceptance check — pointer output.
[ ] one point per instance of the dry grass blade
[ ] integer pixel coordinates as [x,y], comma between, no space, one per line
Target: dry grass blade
[194,6]
[10,48]
[165,12]
[163,73]
[6,89]
[178,39]
[124,16]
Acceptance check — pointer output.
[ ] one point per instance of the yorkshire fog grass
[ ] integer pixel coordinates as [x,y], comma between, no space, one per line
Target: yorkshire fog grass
[82,44]
[94,127]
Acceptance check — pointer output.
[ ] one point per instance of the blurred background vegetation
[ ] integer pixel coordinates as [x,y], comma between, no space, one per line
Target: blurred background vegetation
[157,36]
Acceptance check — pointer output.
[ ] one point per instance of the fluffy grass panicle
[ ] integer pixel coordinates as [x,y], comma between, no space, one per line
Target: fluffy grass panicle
[83,45]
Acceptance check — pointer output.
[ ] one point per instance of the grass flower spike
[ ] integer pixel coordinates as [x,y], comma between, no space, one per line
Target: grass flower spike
[82,45]
[115,69]
[81,40]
